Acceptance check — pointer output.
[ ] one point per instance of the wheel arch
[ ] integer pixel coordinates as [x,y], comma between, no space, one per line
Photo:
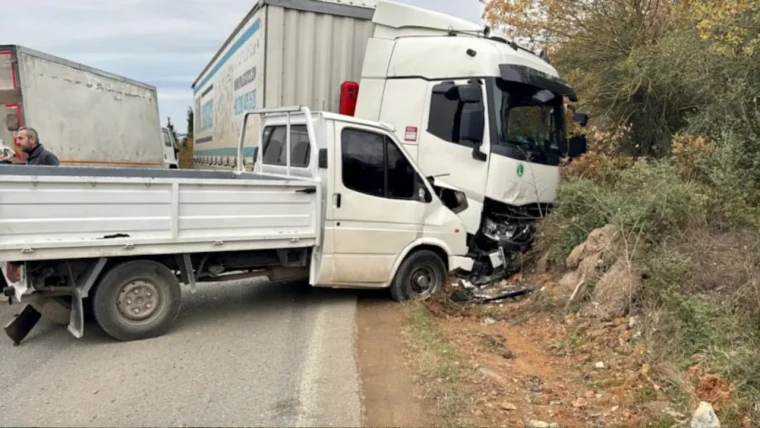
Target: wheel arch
[436,246]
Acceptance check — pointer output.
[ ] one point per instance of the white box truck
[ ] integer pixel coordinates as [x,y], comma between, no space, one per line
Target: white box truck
[476,111]
[124,239]
[83,115]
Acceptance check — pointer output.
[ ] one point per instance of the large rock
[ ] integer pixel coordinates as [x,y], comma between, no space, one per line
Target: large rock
[615,289]
[602,246]
[601,263]
[704,417]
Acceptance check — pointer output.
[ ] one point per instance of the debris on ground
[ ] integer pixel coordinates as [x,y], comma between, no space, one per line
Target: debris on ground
[540,424]
[527,361]
[704,417]
[494,293]
[525,364]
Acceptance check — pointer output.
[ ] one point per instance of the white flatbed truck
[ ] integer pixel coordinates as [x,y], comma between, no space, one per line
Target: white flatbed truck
[347,209]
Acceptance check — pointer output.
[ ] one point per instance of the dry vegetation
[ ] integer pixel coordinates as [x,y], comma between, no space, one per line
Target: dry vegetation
[673,169]
[672,179]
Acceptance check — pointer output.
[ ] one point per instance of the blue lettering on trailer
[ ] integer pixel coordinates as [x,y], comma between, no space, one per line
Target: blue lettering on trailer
[245,102]
[207,115]
[250,32]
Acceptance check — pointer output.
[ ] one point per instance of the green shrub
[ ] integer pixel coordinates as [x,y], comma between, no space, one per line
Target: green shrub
[646,201]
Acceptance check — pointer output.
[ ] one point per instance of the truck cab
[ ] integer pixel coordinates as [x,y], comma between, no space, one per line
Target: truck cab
[477,113]
[378,206]
[171,149]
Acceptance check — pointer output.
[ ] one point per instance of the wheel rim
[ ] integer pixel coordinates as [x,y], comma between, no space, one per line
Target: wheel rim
[139,302]
[423,281]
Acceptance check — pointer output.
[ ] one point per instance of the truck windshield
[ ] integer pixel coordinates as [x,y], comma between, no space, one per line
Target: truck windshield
[529,119]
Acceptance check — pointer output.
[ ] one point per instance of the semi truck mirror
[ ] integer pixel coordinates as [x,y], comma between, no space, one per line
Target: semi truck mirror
[470,94]
[580,118]
[576,146]
[11,121]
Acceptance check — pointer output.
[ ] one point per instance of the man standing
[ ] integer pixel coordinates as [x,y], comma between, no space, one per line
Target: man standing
[29,141]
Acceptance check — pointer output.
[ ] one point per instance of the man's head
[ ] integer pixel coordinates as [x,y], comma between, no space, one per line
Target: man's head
[27,139]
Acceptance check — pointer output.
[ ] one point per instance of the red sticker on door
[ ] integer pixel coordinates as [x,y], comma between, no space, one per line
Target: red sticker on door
[410,134]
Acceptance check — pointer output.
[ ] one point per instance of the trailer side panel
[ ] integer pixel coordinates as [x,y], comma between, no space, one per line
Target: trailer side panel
[86,116]
[232,85]
[285,53]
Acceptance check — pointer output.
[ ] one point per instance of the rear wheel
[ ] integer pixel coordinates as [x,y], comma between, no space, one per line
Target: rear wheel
[421,275]
[137,300]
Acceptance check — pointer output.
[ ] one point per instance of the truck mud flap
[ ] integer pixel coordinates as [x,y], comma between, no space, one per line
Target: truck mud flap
[23,323]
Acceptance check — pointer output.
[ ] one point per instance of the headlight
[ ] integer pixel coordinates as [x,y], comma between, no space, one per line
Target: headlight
[498,231]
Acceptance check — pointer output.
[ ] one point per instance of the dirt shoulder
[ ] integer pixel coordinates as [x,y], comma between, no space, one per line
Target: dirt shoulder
[514,363]
[390,396]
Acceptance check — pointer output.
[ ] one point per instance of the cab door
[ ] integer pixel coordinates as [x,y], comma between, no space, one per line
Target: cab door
[443,151]
[378,206]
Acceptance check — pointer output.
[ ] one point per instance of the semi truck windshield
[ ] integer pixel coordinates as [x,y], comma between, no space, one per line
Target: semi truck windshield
[529,119]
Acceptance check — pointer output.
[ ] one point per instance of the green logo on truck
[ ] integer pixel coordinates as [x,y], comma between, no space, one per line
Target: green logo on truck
[520,170]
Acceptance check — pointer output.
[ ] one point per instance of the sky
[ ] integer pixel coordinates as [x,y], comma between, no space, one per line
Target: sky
[165,43]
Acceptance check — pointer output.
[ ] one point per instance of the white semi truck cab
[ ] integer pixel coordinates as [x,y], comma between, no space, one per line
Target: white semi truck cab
[478,113]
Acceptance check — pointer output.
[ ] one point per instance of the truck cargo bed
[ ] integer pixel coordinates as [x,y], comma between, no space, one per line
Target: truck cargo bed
[51,213]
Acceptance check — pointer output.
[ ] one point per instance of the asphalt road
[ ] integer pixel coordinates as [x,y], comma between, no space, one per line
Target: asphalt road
[251,353]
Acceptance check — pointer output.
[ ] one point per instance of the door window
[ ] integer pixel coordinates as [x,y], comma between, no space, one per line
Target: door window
[375,166]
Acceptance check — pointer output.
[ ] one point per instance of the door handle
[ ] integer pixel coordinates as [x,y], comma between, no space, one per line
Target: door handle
[337,200]
[308,190]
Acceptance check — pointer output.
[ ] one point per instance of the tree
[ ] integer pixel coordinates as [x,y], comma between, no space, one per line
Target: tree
[170,127]
[190,119]
[626,59]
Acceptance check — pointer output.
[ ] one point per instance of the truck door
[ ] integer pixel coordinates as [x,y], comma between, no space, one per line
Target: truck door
[442,151]
[378,205]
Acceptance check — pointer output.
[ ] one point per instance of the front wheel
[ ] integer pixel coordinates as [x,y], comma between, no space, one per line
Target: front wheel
[137,300]
[421,275]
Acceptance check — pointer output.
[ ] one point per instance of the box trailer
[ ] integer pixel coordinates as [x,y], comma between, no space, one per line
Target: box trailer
[83,115]
[284,52]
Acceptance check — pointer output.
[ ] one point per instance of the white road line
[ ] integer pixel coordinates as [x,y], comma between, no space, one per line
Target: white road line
[329,391]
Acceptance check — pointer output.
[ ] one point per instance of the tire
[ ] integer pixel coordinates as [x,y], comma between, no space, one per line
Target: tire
[421,275]
[154,304]
[55,309]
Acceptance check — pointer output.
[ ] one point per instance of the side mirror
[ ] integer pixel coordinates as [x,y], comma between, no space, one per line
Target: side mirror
[580,118]
[576,146]
[470,94]
[11,121]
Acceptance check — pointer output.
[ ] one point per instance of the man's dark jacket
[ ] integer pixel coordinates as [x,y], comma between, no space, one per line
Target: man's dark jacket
[40,156]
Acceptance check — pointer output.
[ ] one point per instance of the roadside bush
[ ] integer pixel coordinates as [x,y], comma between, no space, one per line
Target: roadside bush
[698,250]
[647,201]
